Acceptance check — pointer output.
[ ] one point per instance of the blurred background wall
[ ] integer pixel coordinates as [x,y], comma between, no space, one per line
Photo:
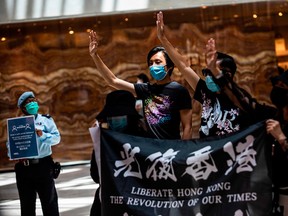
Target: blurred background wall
[44,49]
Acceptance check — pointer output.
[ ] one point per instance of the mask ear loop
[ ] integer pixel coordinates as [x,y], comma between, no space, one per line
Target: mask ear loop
[168,70]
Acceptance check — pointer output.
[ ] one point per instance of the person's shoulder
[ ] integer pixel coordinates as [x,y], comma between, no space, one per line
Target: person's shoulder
[265,111]
[46,116]
[175,84]
[141,85]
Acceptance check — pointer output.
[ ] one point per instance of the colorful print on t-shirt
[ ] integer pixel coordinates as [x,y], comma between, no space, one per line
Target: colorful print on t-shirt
[157,109]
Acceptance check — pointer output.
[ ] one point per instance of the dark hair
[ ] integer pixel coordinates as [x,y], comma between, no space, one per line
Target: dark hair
[227,61]
[143,77]
[118,103]
[169,62]
[279,97]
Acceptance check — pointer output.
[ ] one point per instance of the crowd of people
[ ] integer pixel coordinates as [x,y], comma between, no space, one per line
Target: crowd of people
[226,108]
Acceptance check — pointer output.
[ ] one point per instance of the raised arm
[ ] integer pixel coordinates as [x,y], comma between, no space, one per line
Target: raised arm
[106,73]
[211,58]
[181,63]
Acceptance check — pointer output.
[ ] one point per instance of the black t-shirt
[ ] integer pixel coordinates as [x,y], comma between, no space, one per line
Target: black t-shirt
[219,114]
[161,108]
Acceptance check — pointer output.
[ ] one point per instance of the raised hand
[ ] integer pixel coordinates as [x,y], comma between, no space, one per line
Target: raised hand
[273,127]
[160,25]
[93,45]
[211,56]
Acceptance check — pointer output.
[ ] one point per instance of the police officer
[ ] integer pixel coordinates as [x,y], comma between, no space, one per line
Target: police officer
[36,175]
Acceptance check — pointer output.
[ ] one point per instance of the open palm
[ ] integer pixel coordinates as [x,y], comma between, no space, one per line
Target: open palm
[93,45]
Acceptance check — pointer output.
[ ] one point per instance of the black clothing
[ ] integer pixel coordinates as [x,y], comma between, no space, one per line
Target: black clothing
[161,107]
[133,128]
[220,115]
[33,179]
[94,173]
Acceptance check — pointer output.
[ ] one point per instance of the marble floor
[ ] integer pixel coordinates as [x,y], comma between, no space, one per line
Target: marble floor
[74,186]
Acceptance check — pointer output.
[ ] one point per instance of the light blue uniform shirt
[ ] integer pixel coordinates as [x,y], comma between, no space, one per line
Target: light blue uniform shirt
[50,136]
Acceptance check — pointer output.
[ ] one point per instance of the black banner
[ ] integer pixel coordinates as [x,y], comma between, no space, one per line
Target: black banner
[223,176]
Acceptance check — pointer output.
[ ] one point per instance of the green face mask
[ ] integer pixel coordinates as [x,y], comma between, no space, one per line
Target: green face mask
[32,108]
[117,123]
[211,85]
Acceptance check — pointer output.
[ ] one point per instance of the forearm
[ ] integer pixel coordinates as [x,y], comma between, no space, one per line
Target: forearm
[283,143]
[273,127]
[176,57]
[103,69]
[187,133]
[50,134]
[217,73]
[52,138]
[181,63]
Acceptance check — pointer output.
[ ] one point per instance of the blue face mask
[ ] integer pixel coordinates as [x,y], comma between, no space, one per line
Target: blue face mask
[211,85]
[118,123]
[158,72]
[32,108]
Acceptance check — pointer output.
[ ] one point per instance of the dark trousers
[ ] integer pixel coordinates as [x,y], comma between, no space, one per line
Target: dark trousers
[96,206]
[37,179]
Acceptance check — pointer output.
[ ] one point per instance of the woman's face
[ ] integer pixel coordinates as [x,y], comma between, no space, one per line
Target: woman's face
[157,59]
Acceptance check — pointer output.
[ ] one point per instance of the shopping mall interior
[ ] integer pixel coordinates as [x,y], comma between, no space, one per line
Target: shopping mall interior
[44,49]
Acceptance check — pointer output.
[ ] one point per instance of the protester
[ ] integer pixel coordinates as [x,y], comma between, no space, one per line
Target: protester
[226,107]
[119,114]
[164,109]
[279,130]
[36,175]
